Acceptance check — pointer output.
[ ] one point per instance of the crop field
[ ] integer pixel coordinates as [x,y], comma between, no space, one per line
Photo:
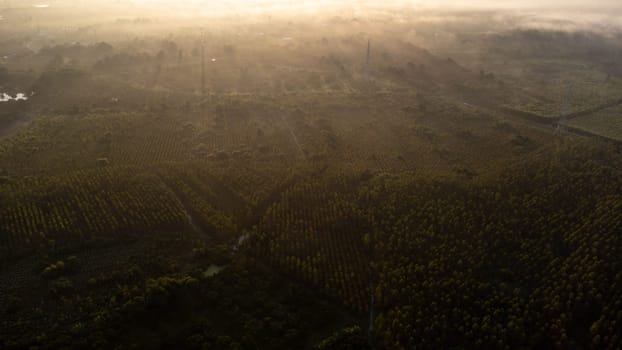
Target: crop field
[607,122]
[580,87]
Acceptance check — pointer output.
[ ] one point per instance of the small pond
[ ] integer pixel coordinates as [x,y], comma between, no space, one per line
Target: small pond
[4,97]
[212,270]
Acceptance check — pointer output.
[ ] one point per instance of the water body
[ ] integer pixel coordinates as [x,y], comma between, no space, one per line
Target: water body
[242,238]
[240,241]
[4,97]
[212,270]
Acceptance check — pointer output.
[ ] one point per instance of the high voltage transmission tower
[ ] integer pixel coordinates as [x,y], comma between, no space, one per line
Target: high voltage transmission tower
[202,68]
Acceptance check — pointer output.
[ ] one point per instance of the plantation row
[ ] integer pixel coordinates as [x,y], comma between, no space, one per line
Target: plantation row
[520,261]
[81,206]
[316,233]
[114,202]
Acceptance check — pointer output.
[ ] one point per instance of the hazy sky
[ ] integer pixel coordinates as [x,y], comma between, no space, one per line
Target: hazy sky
[563,8]
[432,3]
[529,3]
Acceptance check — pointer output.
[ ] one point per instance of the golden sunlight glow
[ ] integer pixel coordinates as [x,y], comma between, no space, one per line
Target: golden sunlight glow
[207,7]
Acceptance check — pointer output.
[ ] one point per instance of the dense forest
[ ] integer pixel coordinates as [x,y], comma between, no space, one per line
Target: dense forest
[377,179]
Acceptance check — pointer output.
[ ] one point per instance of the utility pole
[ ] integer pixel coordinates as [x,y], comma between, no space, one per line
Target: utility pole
[561,124]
